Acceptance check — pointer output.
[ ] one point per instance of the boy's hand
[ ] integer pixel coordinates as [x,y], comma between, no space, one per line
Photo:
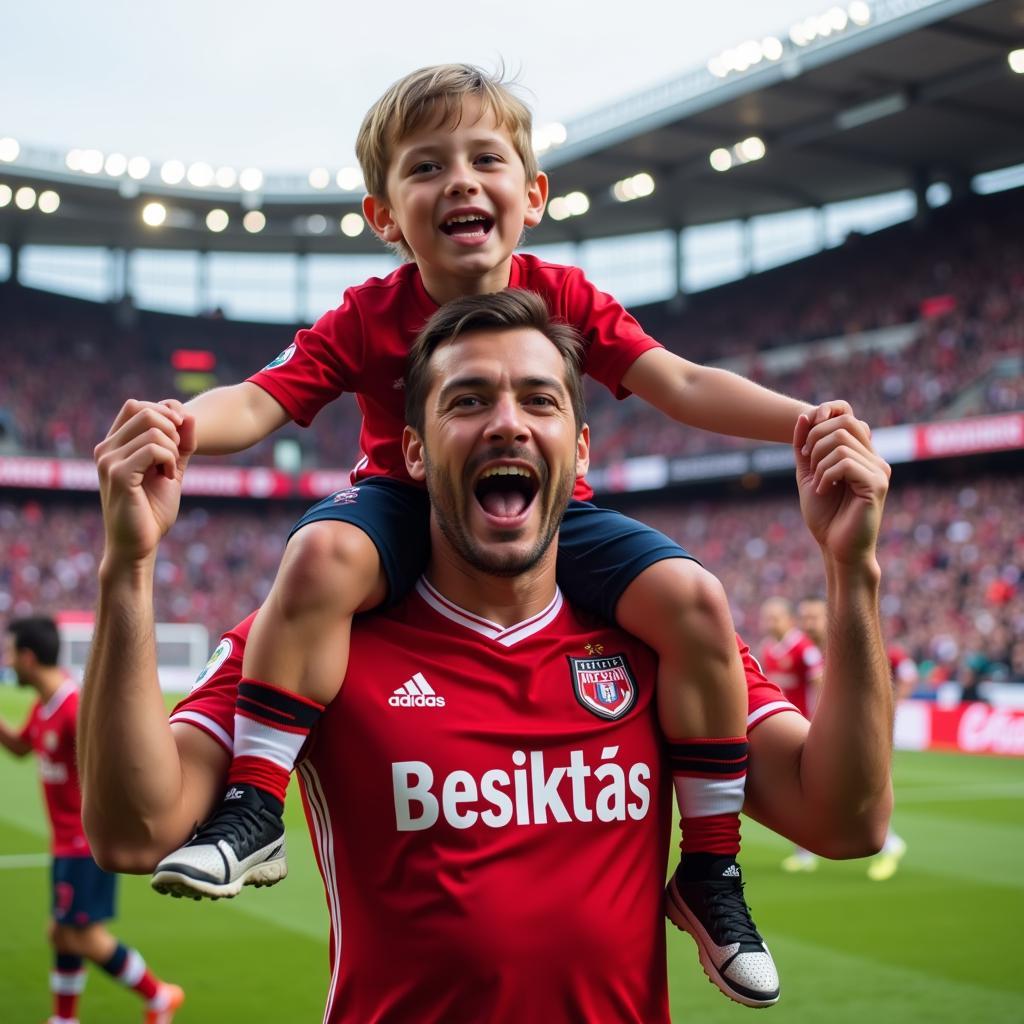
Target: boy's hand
[141,463]
[842,481]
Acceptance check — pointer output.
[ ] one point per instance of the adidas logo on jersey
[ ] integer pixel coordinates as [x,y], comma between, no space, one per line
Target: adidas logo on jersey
[732,871]
[416,693]
[234,793]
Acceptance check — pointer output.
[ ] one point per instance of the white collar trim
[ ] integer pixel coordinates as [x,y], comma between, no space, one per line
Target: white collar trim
[507,636]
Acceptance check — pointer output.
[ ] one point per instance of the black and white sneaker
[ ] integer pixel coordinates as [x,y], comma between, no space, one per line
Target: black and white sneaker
[732,952]
[242,844]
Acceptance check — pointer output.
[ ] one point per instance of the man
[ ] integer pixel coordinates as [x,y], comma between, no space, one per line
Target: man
[791,660]
[813,619]
[83,894]
[490,792]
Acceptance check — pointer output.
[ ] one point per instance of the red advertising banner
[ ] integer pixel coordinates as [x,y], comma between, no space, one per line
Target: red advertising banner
[969,728]
[969,437]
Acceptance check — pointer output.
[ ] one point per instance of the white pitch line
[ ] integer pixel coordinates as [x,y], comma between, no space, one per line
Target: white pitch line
[24,860]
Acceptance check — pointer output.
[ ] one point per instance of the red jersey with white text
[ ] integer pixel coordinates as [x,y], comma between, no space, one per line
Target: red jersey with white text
[362,347]
[50,729]
[795,664]
[490,813]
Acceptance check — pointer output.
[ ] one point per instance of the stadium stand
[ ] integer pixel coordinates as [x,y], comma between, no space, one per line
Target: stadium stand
[942,298]
[952,556]
[954,281]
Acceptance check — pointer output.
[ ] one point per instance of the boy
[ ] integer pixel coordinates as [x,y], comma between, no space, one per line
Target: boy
[83,894]
[452,182]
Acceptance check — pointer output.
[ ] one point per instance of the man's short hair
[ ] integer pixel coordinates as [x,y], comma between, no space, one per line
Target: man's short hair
[435,94]
[507,310]
[38,634]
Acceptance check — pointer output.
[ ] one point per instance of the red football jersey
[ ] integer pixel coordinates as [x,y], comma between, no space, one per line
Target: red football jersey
[50,729]
[902,667]
[362,347]
[795,664]
[490,814]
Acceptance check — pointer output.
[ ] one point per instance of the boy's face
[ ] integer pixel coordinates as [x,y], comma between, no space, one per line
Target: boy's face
[459,199]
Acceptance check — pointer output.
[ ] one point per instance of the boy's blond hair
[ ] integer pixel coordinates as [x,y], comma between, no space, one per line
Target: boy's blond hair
[437,93]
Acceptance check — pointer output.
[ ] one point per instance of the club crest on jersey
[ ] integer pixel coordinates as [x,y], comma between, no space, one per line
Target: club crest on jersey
[605,686]
[281,358]
[220,654]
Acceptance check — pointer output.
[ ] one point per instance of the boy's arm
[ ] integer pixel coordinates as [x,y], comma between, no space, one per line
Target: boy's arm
[715,399]
[12,741]
[145,784]
[826,784]
[233,418]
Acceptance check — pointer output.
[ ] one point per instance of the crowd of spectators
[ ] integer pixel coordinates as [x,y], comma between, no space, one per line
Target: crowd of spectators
[959,278]
[952,557]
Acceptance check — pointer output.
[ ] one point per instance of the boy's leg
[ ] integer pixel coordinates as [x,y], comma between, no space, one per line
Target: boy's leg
[626,571]
[349,553]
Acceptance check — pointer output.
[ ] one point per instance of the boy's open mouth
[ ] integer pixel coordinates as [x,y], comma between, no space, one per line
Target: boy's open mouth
[506,492]
[468,225]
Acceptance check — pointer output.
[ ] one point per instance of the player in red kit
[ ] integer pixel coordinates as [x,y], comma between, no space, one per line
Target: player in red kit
[490,743]
[791,659]
[83,894]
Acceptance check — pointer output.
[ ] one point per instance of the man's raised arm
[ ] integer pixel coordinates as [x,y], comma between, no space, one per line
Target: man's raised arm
[826,786]
[144,784]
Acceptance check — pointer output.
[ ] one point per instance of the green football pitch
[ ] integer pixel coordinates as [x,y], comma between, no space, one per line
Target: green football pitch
[937,943]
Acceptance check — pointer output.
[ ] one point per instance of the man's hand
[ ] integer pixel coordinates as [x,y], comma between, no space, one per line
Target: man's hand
[141,463]
[842,483]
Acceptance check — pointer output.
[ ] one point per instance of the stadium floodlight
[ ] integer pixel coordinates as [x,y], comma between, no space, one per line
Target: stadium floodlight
[718,67]
[558,209]
[254,222]
[860,13]
[226,177]
[938,194]
[316,223]
[251,179]
[557,133]
[578,203]
[154,214]
[73,161]
[349,178]
[639,186]
[771,48]
[91,161]
[49,201]
[721,159]
[6,195]
[352,225]
[837,18]
[9,149]
[319,178]
[217,220]
[116,164]
[138,168]
[752,148]
[200,174]
[172,172]
[25,198]
[1015,58]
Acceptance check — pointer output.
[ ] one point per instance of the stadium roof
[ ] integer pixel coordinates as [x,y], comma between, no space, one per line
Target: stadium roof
[922,91]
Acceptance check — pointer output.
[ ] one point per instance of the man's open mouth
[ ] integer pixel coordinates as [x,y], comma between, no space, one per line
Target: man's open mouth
[468,225]
[506,492]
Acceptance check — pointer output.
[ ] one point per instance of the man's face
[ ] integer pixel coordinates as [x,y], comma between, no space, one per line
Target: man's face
[12,658]
[812,620]
[500,452]
[459,199]
[775,619]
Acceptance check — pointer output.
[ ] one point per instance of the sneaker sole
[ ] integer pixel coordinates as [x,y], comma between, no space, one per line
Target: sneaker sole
[178,884]
[675,910]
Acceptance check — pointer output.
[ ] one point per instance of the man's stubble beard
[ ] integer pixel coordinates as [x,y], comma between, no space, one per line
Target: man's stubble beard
[485,559]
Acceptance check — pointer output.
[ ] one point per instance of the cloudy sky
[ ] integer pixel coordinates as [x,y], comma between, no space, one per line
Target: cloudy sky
[284,85]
